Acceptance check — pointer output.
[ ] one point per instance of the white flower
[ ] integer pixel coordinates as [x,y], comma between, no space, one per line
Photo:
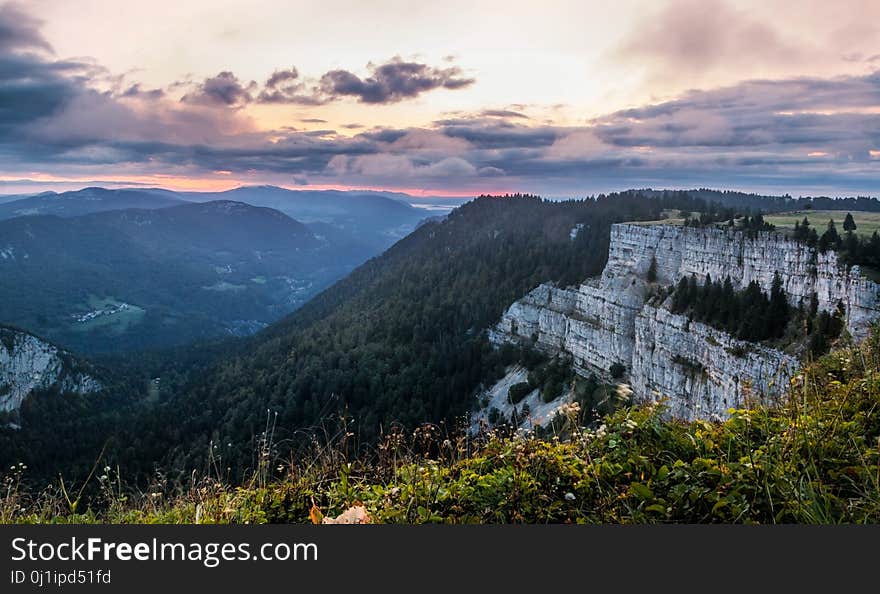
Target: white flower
[570,496]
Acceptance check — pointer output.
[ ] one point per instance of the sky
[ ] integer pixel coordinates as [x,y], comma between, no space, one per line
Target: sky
[560,98]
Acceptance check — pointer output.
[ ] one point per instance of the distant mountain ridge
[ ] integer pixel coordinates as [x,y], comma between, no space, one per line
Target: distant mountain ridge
[140,278]
[367,221]
[86,201]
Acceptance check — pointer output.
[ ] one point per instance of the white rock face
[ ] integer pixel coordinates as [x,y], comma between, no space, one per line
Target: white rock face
[28,364]
[721,252]
[540,413]
[701,371]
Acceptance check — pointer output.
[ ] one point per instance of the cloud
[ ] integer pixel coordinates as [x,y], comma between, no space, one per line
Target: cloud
[136,90]
[580,144]
[64,117]
[392,81]
[690,41]
[225,89]
[20,31]
[421,139]
[285,86]
[503,113]
[397,168]
[280,77]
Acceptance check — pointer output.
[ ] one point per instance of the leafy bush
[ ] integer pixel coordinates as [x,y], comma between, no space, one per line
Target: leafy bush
[517,392]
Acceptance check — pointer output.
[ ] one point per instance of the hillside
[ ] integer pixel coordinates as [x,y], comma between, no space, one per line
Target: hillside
[131,279]
[372,220]
[400,341]
[813,460]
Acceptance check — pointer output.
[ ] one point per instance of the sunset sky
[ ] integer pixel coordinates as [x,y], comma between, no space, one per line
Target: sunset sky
[448,98]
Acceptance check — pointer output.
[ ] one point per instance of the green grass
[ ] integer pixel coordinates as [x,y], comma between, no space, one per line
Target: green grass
[866,222]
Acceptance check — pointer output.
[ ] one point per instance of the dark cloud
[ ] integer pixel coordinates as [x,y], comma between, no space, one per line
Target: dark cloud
[32,88]
[285,86]
[225,89]
[392,82]
[817,114]
[313,121]
[503,113]
[136,90]
[499,136]
[19,30]
[282,76]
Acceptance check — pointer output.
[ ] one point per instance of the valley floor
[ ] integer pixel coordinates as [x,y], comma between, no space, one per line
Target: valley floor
[816,459]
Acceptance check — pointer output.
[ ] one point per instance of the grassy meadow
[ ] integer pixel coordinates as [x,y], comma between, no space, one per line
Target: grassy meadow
[866,222]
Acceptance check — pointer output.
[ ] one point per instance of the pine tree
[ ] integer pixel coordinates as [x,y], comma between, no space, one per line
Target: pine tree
[680,297]
[778,310]
[849,225]
[730,304]
[833,236]
[693,290]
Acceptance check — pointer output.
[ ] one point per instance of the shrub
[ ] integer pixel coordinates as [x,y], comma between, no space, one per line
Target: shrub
[517,392]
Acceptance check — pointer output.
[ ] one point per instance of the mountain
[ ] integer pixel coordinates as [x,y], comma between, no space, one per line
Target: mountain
[420,333]
[87,200]
[29,364]
[363,222]
[411,336]
[404,338]
[400,340]
[130,279]
[373,219]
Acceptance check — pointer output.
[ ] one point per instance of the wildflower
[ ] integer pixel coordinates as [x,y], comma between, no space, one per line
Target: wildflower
[624,392]
[570,496]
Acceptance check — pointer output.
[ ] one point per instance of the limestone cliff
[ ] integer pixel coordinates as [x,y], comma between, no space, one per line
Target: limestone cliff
[29,364]
[701,371]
